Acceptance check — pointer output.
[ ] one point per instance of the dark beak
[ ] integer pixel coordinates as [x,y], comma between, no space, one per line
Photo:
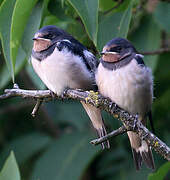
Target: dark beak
[34,39]
[39,38]
[102,53]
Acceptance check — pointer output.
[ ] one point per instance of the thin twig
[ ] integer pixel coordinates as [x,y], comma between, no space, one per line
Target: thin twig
[130,122]
[36,108]
[114,133]
[159,51]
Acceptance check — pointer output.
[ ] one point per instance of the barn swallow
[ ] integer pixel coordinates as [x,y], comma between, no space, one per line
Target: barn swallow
[123,77]
[63,62]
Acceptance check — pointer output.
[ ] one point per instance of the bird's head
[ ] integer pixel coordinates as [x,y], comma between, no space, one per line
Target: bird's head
[46,37]
[117,49]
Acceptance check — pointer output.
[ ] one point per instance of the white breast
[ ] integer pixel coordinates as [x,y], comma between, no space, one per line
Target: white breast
[61,70]
[130,87]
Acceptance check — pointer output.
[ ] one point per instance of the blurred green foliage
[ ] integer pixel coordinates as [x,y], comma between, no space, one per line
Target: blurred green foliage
[55,144]
[10,169]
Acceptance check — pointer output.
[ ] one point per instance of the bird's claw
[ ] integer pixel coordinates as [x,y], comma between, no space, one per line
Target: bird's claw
[135,122]
[53,95]
[16,86]
[63,95]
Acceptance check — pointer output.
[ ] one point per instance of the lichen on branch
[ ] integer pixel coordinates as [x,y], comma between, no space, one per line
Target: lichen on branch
[130,122]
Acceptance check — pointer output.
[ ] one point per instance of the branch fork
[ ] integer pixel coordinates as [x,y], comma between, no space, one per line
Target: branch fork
[130,122]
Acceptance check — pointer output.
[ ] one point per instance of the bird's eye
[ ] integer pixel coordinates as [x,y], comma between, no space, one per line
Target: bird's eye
[49,36]
[116,49]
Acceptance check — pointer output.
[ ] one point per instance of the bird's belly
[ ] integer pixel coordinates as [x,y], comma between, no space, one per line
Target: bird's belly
[129,87]
[59,72]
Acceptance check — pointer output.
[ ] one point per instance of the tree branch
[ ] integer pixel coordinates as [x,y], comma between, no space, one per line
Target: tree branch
[159,51]
[114,133]
[36,108]
[130,122]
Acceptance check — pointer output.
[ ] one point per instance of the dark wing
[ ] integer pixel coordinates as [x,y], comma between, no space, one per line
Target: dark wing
[151,122]
[90,60]
[140,61]
[77,48]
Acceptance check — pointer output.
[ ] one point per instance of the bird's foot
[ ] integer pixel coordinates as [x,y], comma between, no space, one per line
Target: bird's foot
[112,105]
[135,122]
[16,86]
[64,93]
[53,95]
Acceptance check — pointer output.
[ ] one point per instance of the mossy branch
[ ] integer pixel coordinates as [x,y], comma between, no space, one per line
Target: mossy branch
[130,122]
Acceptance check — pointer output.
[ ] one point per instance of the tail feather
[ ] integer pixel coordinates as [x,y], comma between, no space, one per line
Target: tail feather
[141,151]
[97,121]
[102,132]
[137,159]
[148,158]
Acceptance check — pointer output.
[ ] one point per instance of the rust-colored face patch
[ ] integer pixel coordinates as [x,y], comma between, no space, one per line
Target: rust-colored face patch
[111,57]
[41,44]
[108,57]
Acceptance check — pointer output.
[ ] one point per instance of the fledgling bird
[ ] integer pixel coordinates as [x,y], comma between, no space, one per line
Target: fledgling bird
[123,77]
[63,62]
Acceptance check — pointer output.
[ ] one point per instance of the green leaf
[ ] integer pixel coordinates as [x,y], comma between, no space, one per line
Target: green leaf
[162,15]
[143,38]
[1,2]
[21,13]
[53,20]
[10,170]
[161,172]
[88,11]
[55,8]
[108,29]
[45,8]
[109,6]
[106,6]
[26,146]
[68,158]
[5,76]
[113,25]
[32,26]
[125,21]
[6,10]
